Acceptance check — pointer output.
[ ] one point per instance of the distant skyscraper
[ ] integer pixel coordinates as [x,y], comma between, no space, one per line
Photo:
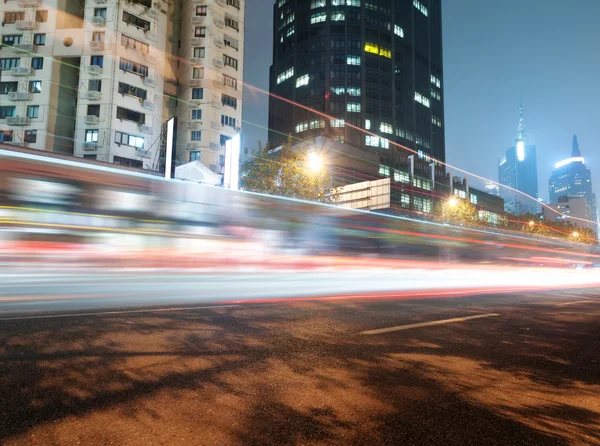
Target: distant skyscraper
[518,170]
[571,178]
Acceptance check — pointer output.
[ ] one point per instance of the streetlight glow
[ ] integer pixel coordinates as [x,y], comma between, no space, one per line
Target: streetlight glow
[315,162]
[531,223]
[575,234]
[452,202]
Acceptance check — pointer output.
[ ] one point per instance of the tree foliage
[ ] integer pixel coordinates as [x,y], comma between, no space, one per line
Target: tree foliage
[457,212]
[287,175]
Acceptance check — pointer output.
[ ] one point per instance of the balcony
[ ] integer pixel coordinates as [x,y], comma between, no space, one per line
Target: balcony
[21,71]
[216,125]
[26,24]
[218,21]
[91,95]
[217,104]
[28,3]
[94,69]
[149,82]
[24,48]
[152,13]
[18,120]
[219,43]
[215,146]
[148,105]
[90,146]
[218,63]
[145,129]
[217,84]
[96,45]
[91,119]
[98,21]
[19,96]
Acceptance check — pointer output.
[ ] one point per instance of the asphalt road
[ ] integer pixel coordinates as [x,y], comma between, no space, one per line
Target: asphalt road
[508,369]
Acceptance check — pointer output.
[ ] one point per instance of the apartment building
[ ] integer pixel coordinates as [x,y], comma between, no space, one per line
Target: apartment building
[99,78]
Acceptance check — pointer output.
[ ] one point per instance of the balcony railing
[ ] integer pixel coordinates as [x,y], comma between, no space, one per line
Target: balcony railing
[96,45]
[26,24]
[18,120]
[92,95]
[94,69]
[28,3]
[25,48]
[90,146]
[21,71]
[91,119]
[98,21]
[19,96]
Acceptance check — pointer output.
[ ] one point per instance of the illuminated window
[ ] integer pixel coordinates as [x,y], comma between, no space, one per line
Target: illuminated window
[317,4]
[302,80]
[338,16]
[405,200]
[353,91]
[289,32]
[436,94]
[371,48]
[473,198]
[376,141]
[352,2]
[353,60]
[421,7]
[435,81]
[337,2]
[318,17]
[427,205]
[460,193]
[386,128]
[384,170]
[337,123]
[368,124]
[385,52]
[353,107]
[426,184]
[285,75]
[422,99]
[436,121]
[301,127]
[338,90]
[398,31]
[384,143]
[402,177]
[317,124]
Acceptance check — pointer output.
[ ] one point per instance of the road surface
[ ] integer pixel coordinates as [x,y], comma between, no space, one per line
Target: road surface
[498,368]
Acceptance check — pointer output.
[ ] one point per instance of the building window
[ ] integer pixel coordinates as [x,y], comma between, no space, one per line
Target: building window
[12,17]
[353,91]
[318,17]
[97,61]
[473,198]
[200,31]
[197,114]
[338,16]
[94,85]
[368,124]
[336,123]
[230,62]
[385,52]
[230,81]
[405,200]
[353,60]
[436,94]
[436,121]
[130,42]
[338,91]
[136,21]
[435,81]
[98,36]
[35,86]
[7,135]
[198,73]
[8,87]
[8,63]
[301,127]
[421,7]
[91,135]
[197,93]
[100,12]
[228,121]
[11,40]
[229,101]
[133,67]
[7,111]
[317,124]
[130,115]
[302,80]
[201,10]
[196,135]
[234,43]
[402,177]
[386,128]
[131,90]
[90,157]
[129,140]
[41,16]
[234,3]
[384,170]
[93,110]
[376,141]
[199,52]
[422,99]
[285,75]
[398,31]
[195,155]
[231,23]
[223,139]
[30,136]
[371,48]
[353,107]
[33,111]
[317,4]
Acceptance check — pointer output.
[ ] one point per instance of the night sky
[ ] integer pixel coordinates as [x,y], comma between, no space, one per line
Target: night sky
[543,52]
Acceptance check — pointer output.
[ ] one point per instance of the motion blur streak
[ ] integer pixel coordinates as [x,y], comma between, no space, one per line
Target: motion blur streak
[82,236]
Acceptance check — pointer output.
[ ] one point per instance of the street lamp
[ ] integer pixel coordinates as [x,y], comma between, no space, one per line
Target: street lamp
[575,234]
[315,162]
[452,202]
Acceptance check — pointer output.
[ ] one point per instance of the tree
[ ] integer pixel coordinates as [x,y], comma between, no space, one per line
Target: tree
[457,211]
[296,173]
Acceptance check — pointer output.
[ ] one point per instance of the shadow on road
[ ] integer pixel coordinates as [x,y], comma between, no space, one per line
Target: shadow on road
[301,374]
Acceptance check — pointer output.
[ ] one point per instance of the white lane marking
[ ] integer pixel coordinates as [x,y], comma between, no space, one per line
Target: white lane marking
[427,324]
[563,304]
[105,313]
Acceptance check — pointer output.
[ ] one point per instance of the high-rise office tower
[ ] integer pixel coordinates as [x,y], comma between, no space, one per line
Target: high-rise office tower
[376,65]
[99,78]
[518,170]
[570,178]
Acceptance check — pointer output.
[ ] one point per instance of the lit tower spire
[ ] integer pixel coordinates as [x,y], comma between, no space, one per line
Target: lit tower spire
[521,135]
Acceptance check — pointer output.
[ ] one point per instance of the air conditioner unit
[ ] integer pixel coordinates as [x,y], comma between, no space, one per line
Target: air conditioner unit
[217,104]
[191,125]
[152,13]
[218,63]
[94,69]
[91,119]
[145,129]
[238,129]
[28,3]
[149,82]
[100,2]
[26,24]
[195,60]
[191,146]
[91,95]
[219,43]
[96,45]
[21,71]
[18,120]
[148,105]
[98,21]
[196,41]
[215,146]
[19,96]
[195,83]
[216,125]
[219,22]
[197,20]
[90,146]
[221,3]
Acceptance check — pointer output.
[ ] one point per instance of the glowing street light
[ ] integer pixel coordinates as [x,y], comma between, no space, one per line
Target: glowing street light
[531,223]
[575,234]
[315,162]
[452,202]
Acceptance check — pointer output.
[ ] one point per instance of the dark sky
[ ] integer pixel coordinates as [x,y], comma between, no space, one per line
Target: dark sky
[543,52]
